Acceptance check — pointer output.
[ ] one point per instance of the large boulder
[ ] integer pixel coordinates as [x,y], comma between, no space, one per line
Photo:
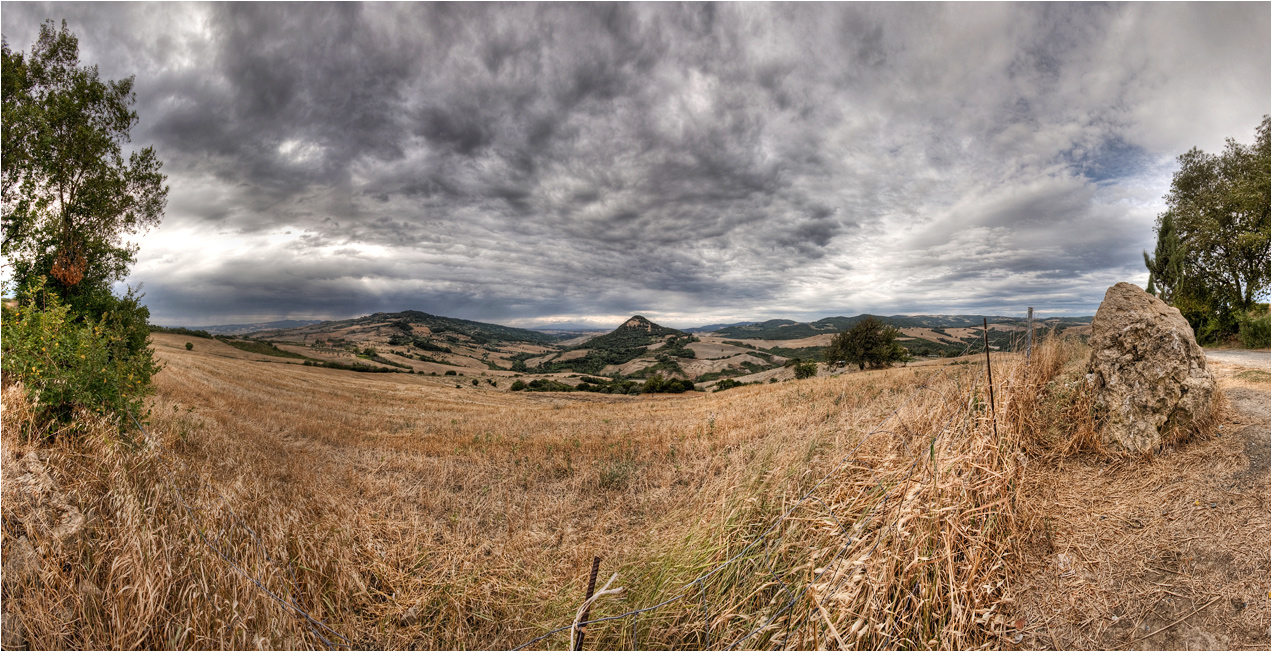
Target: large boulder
[1147,368]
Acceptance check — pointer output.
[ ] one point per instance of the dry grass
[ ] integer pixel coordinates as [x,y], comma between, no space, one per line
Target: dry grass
[406,513]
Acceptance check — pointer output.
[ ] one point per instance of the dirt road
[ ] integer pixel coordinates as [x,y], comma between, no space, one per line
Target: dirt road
[1240,358]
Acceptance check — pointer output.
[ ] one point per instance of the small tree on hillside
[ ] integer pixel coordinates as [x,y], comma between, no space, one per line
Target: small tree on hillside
[869,342]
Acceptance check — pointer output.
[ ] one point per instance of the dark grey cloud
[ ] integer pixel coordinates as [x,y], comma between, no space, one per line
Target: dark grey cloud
[692,162]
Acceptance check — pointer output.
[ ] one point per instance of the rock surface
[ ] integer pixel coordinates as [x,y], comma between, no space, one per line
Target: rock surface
[21,565]
[1147,368]
[12,633]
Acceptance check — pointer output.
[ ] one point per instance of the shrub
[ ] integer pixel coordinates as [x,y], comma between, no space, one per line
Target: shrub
[189,346]
[518,386]
[1255,330]
[68,363]
[189,332]
[805,370]
[474,382]
[450,372]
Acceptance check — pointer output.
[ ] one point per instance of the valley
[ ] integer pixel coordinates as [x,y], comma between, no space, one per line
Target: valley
[622,360]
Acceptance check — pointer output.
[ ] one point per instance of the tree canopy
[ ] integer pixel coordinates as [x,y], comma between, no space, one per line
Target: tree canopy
[70,195]
[1212,254]
[869,342]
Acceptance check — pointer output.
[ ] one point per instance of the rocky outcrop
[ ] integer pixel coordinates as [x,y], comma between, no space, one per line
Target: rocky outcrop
[1147,368]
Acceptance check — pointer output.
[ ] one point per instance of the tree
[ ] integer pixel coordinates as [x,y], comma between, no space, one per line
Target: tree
[1220,208]
[1165,267]
[70,198]
[805,370]
[868,342]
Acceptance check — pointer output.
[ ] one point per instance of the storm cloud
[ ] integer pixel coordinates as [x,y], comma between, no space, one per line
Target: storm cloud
[531,163]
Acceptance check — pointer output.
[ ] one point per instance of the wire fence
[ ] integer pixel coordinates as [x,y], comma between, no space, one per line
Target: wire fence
[883,488]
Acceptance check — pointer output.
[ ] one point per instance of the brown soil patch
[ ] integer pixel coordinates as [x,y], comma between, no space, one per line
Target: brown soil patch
[1164,553]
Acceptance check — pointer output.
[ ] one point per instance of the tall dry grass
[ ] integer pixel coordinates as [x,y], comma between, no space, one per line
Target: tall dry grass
[407,513]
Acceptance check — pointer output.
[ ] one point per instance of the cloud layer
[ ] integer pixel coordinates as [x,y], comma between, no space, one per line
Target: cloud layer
[695,163]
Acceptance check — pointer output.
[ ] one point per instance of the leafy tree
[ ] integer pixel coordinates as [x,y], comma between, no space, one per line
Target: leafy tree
[805,370]
[70,197]
[1220,206]
[1165,267]
[869,342]
[1212,256]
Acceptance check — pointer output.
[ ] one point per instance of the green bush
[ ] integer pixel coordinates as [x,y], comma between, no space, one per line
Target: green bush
[518,385]
[450,372]
[806,370]
[189,346]
[1256,328]
[69,362]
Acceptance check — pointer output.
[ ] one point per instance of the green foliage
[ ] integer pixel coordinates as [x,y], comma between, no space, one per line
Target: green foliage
[69,362]
[349,366]
[1219,207]
[261,347]
[813,353]
[70,199]
[189,346]
[805,370]
[1165,267]
[518,385]
[658,385]
[868,343]
[729,383]
[1255,328]
[188,332]
[547,385]
[449,372]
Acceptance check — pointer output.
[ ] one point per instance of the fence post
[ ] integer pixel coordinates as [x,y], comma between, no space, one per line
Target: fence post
[591,587]
[1029,338]
[989,372]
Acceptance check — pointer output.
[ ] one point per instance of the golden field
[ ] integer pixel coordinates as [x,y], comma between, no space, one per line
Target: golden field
[405,512]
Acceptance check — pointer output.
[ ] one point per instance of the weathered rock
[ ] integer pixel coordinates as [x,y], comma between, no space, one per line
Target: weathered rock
[12,633]
[411,616]
[1147,368]
[21,564]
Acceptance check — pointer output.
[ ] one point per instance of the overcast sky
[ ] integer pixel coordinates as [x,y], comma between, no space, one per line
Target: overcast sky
[528,164]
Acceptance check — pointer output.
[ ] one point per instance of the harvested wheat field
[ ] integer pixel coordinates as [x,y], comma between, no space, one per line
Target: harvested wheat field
[283,506]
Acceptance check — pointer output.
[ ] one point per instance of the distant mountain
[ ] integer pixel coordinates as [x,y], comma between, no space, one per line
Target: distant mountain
[785,329]
[568,327]
[710,328]
[634,332]
[243,329]
[474,331]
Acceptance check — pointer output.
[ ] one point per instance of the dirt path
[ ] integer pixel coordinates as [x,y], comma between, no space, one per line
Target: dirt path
[1167,553]
[1240,357]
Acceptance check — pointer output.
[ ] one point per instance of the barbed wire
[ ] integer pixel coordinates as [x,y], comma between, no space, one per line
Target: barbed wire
[699,583]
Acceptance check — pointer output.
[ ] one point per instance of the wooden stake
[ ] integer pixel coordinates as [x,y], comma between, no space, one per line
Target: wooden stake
[1029,338]
[591,586]
[989,372]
